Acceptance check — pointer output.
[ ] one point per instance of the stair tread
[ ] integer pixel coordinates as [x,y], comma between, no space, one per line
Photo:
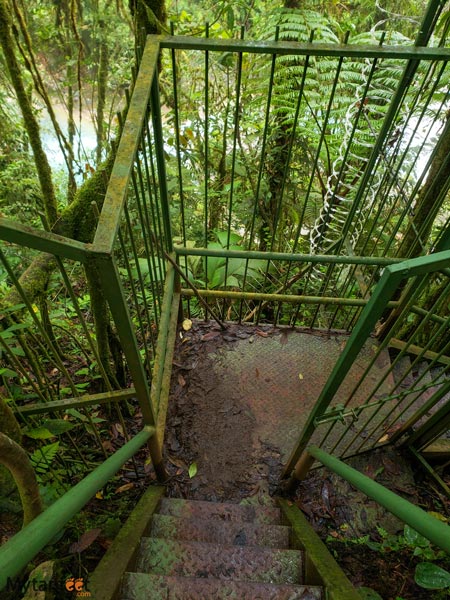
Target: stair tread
[202,559]
[220,532]
[225,511]
[139,586]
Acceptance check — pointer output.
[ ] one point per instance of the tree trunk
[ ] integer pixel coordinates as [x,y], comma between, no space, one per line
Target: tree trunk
[430,198]
[15,459]
[30,121]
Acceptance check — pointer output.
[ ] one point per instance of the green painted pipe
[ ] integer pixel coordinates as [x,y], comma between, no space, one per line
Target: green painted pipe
[303,258]
[23,547]
[292,298]
[434,530]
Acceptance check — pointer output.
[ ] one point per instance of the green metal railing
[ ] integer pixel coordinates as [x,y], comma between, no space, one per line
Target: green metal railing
[386,410]
[431,528]
[301,240]
[23,547]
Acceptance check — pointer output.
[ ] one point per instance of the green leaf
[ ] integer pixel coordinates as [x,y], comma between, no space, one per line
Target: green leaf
[42,457]
[192,470]
[49,429]
[413,538]
[431,577]
[8,372]
[39,433]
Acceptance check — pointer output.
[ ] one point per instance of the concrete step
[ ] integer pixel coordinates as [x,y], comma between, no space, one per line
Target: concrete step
[227,533]
[246,513]
[201,560]
[142,586]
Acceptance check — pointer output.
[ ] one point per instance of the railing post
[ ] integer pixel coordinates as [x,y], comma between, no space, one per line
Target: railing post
[115,296]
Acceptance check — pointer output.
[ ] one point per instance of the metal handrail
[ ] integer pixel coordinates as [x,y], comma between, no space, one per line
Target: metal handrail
[23,547]
[422,522]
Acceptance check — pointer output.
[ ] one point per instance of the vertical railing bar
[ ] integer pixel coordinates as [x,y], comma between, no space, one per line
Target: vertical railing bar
[396,174]
[142,287]
[147,237]
[433,362]
[149,226]
[134,292]
[237,113]
[177,142]
[294,128]
[392,277]
[155,206]
[405,374]
[261,163]
[160,162]
[373,160]
[434,8]
[342,169]
[416,291]
[372,361]
[206,134]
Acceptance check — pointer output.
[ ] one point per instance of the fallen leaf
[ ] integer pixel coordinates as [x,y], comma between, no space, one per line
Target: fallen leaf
[300,376]
[261,333]
[124,488]
[85,540]
[192,470]
[256,372]
[181,380]
[99,495]
[383,439]
[210,336]
[187,324]
[178,462]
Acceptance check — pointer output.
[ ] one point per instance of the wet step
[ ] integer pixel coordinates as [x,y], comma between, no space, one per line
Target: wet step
[191,509]
[202,560]
[142,586]
[231,533]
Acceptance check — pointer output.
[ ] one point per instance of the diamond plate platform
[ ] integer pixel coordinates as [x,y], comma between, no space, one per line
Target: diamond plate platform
[230,533]
[223,511]
[200,559]
[141,586]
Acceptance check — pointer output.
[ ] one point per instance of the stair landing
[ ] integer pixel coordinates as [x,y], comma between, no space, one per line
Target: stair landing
[245,395]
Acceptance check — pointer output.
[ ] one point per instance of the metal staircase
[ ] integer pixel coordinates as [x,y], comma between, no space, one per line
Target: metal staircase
[196,549]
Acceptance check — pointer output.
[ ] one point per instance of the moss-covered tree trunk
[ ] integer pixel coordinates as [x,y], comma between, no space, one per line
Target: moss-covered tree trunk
[30,121]
[15,459]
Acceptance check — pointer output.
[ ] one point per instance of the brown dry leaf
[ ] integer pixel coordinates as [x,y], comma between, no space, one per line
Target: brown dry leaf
[256,372]
[178,462]
[181,380]
[261,333]
[210,336]
[85,540]
[124,488]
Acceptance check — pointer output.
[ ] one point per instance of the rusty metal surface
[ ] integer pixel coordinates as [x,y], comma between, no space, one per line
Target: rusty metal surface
[220,532]
[141,586]
[199,559]
[220,511]
[280,377]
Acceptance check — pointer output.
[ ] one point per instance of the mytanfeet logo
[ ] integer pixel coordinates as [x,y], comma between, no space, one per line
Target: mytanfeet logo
[77,587]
